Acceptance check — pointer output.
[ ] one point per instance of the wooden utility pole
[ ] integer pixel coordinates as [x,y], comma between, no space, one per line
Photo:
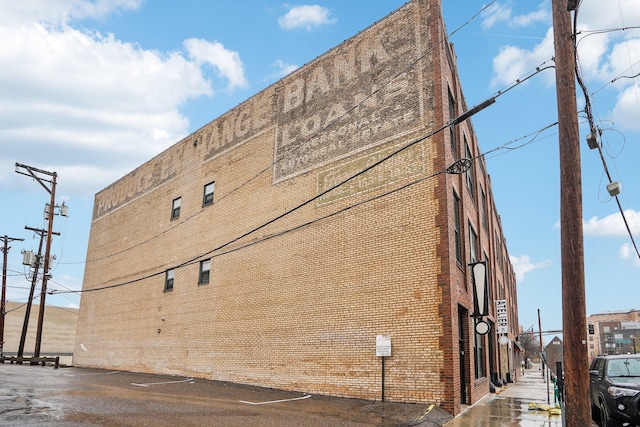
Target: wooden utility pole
[5,250]
[577,409]
[543,361]
[34,279]
[43,177]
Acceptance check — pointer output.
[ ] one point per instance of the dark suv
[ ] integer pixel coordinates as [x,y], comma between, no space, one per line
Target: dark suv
[615,390]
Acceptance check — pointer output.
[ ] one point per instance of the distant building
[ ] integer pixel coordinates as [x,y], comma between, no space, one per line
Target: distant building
[58,329]
[615,332]
[324,223]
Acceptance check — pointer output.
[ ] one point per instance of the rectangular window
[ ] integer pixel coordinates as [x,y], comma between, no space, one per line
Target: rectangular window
[205,272]
[473,244]
[484,208]
[479,359]
[457,227]
[498,247]
[489,288]
[471,186]
[207,199]
[168,280]
[452,130]
[175,208]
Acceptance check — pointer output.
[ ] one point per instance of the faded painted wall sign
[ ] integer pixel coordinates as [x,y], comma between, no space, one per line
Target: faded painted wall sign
[238,125]
[138,182]
[364,93]
[351,100]
[406,164]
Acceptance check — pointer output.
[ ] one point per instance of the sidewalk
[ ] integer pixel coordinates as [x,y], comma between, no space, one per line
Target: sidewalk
[509,406]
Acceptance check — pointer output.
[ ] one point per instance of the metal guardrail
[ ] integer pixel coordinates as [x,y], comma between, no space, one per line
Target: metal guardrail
[55,361]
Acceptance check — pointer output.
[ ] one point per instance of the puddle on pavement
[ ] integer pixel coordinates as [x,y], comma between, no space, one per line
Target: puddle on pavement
[505,411]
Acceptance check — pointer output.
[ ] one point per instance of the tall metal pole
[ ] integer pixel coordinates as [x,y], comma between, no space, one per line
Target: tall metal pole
[577,409]
[3,310]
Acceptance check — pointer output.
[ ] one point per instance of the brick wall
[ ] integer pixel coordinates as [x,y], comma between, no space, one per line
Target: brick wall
[303,277]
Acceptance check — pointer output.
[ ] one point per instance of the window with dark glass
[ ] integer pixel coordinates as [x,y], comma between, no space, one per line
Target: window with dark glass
[470,183]
[473,244]
[452,129]
[457,227]
[480,357]
[168,280]
[483,201]
[207,199]
[205,271]
[175,208]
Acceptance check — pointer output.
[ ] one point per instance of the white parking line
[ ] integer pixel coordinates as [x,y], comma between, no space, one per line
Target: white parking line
[91,375]
[186,380]
[276,401]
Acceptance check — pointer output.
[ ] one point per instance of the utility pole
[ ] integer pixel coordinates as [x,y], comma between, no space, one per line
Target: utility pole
[43,177]
[541,348]
[577,409]
[34,279]
[3,310]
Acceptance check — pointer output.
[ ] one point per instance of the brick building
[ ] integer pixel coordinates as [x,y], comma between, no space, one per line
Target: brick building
[614,332]
[280,243]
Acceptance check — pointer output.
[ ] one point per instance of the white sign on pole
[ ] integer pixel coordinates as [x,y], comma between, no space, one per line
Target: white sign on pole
[383,345]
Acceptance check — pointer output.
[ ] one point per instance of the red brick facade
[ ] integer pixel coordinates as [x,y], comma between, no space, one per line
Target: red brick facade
[307,266]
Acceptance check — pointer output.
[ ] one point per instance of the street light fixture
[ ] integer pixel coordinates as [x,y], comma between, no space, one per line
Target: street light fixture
[480,296]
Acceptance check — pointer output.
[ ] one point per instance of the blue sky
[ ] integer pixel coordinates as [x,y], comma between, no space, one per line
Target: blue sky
[91,90]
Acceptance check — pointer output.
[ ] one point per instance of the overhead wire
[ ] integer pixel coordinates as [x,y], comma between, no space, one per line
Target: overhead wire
[452,169]
[595,133]
[309,139]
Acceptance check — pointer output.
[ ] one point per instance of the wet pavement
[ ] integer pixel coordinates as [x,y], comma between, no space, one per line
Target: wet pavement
[510,406]
[47,397]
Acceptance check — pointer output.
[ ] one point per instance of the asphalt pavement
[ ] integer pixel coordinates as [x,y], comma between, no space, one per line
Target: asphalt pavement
[65,397]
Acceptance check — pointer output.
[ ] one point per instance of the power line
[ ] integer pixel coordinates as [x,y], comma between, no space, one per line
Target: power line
[596,132]
[310,138]
[455,168]
[460,118]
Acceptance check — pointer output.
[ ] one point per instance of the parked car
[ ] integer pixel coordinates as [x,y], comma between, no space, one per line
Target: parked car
[615,390]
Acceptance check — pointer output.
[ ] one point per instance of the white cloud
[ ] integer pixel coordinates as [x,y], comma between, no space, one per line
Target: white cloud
[601,15]
[496,13]
[504,13]
[627,110]
[523,265]
[613,225]
[227,62]
[513,63]
[284,69]
[627,252]
[603,56]
[308,16]
[102,105]
[56,12]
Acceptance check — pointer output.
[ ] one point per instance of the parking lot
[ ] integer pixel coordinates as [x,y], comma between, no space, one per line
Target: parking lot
[43,396]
